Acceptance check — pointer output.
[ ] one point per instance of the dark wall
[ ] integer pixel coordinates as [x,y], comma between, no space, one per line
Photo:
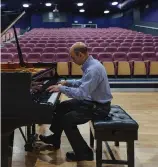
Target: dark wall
[102,22]
[146,19]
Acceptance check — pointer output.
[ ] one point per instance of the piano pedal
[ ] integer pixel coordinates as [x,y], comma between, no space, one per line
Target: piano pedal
[29,146]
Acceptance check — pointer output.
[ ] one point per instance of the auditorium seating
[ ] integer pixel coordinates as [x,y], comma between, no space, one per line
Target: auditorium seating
[116,48]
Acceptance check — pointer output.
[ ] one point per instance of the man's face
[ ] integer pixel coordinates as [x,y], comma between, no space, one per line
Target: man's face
[78,59]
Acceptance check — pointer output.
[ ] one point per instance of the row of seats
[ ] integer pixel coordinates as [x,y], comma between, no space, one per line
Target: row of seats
[64,57]
[88,41]
[94,44]
[113,68]
[123,68]
[90,49]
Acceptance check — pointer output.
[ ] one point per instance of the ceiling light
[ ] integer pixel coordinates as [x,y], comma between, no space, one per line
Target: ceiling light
[106,11]
[114,3]
[82,10]
[75,21]
[79,4]
[25,5]
[48,4]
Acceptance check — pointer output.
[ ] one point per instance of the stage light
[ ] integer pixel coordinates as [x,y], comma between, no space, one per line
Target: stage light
[106,11]
[82,10]
[48,4]
[80,4]
[25,5]
[114,3]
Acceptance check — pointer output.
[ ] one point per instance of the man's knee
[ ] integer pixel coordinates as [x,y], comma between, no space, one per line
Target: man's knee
[67,120]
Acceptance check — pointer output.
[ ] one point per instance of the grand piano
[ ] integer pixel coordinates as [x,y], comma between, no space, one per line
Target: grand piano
[22,104]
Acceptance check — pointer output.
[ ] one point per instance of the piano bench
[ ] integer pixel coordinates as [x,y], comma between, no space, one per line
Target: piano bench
[117,127]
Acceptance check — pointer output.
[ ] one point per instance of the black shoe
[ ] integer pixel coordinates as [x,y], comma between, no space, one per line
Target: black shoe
[50,140]
[70,156]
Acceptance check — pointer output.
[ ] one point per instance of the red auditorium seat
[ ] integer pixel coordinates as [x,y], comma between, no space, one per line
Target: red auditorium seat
[33,58]
[12,50]
[30,45]
[110,49]
[137,44]
[61,45]
[90,41]
[49,50]
[42,45]
[147,40]
[48,57]
[62,49]
[128,40]
[50,45]
[136,49]
[26,49]
[109,40]
[93,44]
[148,49]
[148,43]
[4,50]
[37,50]
[123,49]
[24,42]
[42,41]
[138,40]
[16,57]
[105,57]
[104,44]
[115,44]
[120,56]
[119,40]
[99,40]
[155,43]
[6,58]
[147,56]
[98,49]
[9,45]
[122,63]
[62,57]
[128,44]
[36,39]
[156,49]
[33,41]
[134,56]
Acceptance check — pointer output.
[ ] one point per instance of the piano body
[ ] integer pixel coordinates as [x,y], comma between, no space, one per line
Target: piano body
[20,105]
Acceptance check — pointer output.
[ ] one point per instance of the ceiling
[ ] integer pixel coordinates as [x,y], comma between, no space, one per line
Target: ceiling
[92,7]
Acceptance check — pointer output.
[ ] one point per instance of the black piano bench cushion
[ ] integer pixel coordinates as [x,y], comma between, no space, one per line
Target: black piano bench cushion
[117,119]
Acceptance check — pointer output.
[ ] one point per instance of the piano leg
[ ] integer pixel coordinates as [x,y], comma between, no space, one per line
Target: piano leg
[5,150]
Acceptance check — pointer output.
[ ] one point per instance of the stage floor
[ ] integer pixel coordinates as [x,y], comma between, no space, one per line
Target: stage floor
[142,106]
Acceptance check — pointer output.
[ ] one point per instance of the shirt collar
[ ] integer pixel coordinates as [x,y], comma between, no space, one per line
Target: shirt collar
[86,63]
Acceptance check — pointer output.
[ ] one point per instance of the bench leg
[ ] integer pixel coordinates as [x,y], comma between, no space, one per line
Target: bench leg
[117,143]
[99,153]
[91,139]
[130,153]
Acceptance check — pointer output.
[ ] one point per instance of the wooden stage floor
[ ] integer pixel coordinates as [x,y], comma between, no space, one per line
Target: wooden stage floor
[142,106]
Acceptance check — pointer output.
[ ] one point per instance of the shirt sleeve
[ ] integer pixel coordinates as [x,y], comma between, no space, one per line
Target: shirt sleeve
[89,83]
[74,82]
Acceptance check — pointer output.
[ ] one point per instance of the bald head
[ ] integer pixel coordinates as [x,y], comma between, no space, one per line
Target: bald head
[79,52]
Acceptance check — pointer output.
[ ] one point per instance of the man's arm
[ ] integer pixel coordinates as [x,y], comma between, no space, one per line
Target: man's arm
[88,85]
[74,83]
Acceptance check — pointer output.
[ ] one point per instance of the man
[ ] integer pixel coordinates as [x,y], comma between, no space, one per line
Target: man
[91,99]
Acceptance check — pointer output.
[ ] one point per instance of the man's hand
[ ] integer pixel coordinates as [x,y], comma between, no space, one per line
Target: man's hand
[53,88]
[62,82]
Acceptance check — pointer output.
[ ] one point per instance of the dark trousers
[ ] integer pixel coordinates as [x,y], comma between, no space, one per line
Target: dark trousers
[69,114]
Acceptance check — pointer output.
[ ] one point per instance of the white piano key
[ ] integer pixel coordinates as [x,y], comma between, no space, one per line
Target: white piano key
[53,98]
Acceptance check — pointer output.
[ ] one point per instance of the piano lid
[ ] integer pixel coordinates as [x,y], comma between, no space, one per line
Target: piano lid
[8,19]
